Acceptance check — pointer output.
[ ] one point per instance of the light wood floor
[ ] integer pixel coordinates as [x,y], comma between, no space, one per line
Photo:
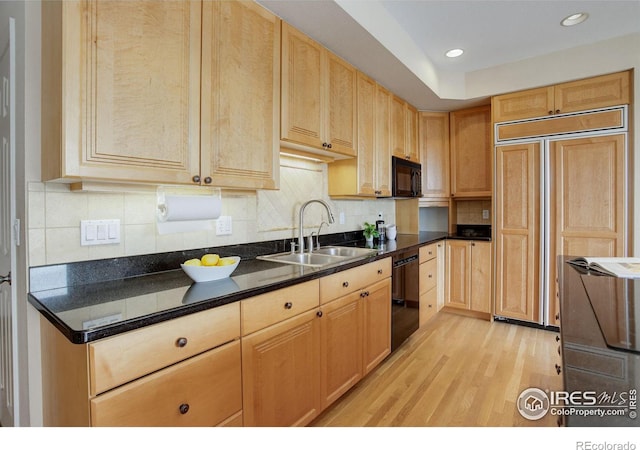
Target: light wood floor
[455,371]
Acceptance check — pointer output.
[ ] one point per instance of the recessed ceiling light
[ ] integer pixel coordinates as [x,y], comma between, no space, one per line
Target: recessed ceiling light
[454,53]
[574,19]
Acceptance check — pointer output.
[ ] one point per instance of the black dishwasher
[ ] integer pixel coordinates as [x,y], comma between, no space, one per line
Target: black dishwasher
[405,297]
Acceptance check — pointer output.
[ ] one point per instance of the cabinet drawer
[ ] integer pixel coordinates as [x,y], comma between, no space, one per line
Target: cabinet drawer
[348,281]
[264,310]
[428,275]
[202,391]
[117,360]
[428,252]
[428,305]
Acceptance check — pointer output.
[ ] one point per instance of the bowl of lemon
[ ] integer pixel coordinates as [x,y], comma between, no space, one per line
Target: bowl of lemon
[210,267]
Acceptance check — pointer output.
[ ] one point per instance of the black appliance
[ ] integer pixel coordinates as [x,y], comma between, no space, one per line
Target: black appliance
[405,297]
[406,178]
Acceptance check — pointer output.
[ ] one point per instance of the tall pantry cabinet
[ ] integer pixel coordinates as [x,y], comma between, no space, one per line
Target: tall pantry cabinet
[561,188]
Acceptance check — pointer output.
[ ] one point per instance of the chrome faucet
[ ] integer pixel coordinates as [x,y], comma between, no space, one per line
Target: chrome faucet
[301,224]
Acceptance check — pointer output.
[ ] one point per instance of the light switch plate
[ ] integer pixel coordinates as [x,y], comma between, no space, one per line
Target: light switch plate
[485,213]
[223,226]
[99,232]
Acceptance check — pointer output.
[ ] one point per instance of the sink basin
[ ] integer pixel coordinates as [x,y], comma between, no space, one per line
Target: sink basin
[346,252]
[325,256]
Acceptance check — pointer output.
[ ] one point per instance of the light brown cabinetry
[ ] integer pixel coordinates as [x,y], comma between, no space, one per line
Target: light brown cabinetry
[369,174]
[318,96]
[116,381]
[118,111]
[580,95]
[468,276]
[433,143]
[431,280]
[470,138]
[404,129]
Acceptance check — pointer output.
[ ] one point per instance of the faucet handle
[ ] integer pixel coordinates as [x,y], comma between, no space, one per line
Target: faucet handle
[310,241]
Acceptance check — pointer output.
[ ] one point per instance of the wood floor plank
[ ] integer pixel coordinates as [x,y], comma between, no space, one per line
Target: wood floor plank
[455,371]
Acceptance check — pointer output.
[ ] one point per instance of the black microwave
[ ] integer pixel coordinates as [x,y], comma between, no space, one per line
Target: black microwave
[406,178]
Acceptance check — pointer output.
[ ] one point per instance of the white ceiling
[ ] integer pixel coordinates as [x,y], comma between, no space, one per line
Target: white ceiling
[401,43]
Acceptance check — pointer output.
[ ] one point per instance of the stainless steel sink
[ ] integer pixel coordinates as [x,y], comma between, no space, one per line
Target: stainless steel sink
[325,256]
[346,252]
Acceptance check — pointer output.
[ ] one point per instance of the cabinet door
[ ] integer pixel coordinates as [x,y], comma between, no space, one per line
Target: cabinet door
[383,141]
[458,279]
[201,391]
[433,143]
[518,231]
[366,135]
[587,214]
[377,324]
[240,95]
[596,92]
[480,293]
[281,373]
[340,347]
[398,127]
[471,152]
[526,104]
[342,127]
[130,101]
[303,99]
[411,149]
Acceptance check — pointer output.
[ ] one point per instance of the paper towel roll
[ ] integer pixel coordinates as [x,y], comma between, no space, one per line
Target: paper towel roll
[184,213]
[193,207]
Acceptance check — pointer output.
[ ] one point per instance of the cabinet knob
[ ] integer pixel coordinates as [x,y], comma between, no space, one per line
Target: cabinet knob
[208,180]
[184,408]
[325,145]
[430,276]
[557,111]
[181,342]
[362,295]
[558,316]
[430,306]
[550,112]
[558,369]
[288,305]
[196,178]
[559,352]
[557,338]
[379,271]
[345,284]
[319,314]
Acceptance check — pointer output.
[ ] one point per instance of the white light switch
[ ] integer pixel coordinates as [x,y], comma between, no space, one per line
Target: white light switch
[485,213]
[99,232]
[223,226]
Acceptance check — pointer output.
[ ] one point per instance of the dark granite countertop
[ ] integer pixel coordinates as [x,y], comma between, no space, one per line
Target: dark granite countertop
[599,346]
[95,299]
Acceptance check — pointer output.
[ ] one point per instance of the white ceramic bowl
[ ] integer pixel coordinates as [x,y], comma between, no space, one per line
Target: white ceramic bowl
[391,232]
[201,274]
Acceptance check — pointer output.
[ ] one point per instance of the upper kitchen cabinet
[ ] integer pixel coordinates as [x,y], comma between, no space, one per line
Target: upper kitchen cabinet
[318,98]
[367,175]
[581,95]
[433,144]
[123,87]
[470,139]
[240,136]
[404,130]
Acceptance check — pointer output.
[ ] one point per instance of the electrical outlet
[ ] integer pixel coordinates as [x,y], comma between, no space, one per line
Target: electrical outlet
[223,226]
[341,218]
[99,232]
[485,213]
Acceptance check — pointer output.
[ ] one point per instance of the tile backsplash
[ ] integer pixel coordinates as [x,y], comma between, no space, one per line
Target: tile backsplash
[470,212]
[55,212]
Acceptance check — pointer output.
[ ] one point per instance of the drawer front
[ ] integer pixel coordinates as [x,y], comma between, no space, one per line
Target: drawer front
[348,281]
[428,275]
[428,305]
[267,309]
[117,360]
[202,391]
[428,252]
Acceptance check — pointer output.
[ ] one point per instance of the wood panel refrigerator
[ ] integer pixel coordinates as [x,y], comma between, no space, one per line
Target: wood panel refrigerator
[561,188]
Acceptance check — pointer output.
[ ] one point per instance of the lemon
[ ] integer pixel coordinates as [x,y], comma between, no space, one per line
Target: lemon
[193,262]
[210,259]
[226,261]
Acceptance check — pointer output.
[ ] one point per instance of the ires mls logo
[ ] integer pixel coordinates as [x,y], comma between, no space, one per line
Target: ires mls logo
[533,404]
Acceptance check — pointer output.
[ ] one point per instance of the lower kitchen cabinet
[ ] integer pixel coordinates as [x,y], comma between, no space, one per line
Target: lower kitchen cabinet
[182,372]
[202,391]
[469,277]
[281,373]
[377,323]
[431,280]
